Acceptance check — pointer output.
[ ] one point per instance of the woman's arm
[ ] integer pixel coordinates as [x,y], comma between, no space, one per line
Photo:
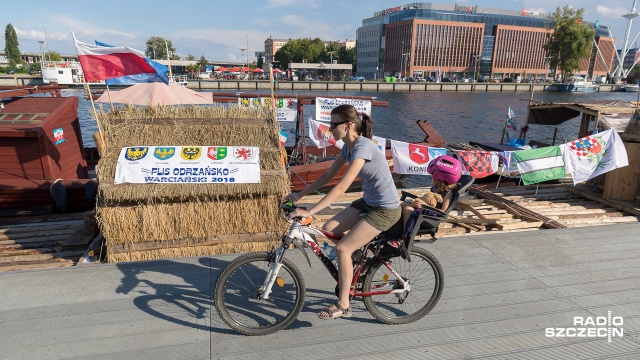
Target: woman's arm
[338,163]
[342,186]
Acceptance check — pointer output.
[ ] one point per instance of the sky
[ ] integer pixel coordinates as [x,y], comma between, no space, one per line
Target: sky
[219,29]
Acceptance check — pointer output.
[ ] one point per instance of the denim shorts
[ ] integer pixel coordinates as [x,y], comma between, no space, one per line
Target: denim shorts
[380,218]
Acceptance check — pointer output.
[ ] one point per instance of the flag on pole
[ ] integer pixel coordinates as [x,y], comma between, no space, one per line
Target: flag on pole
[511,128]
[283,137]
[593,155]
[101,62]
[322,136]
[538,165]
[160,75]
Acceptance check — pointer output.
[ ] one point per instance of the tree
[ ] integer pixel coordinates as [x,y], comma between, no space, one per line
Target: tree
[11,50]
[157,49]
[570,42]
[53,55]
[202,62]
[298,50]
[190,57]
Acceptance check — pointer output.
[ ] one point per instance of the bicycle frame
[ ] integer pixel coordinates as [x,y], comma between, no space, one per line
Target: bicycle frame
[304,236]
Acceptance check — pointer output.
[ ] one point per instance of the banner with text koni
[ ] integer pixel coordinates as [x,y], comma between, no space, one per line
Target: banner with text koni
[413,158]
[325,105]
[188,164]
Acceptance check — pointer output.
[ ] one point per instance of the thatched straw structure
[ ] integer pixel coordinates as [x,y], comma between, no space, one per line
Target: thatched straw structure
[152,221]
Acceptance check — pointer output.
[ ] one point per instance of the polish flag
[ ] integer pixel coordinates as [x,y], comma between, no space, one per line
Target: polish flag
[101,62]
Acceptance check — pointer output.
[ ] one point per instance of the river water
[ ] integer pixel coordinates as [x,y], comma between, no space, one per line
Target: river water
[457,116]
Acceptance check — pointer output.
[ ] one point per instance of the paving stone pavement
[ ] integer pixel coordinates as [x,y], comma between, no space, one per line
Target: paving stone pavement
[501,292]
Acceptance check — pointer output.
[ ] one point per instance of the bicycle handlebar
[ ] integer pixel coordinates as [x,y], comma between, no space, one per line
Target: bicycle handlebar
[288,207]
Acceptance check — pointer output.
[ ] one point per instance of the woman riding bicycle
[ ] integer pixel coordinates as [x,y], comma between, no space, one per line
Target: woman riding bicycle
[376,211]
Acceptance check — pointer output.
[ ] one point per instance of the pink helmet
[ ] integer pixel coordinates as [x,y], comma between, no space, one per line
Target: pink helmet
[445,168]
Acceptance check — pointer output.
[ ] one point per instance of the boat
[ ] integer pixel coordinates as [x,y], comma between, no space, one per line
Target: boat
[631,87]
[62,72]
[41,151]
[578,84]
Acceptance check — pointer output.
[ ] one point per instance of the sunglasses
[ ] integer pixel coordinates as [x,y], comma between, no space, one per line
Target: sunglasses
[334,125]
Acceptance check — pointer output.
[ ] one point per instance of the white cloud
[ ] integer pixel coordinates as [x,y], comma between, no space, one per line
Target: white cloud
[313,4]
[608,12]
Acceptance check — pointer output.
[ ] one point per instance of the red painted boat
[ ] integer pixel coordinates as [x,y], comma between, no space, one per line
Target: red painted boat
[41,142]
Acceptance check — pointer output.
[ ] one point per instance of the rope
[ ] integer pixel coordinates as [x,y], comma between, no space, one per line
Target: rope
[293,171]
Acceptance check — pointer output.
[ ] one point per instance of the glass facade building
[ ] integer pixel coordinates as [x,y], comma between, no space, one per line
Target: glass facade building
[420,39]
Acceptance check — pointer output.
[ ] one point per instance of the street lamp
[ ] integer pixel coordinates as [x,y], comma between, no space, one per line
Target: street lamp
[331,71]
[475,67]
[406,61]
[247,35]
[401,59]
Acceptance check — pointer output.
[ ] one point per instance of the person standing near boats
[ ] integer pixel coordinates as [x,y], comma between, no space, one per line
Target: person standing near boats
[379,202]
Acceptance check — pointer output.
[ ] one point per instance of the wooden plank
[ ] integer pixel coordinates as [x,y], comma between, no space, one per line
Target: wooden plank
[520,225]
[622,183]
[223,239]
[40,257]
[30,265]
[36,235]
[627,206]
[34,228]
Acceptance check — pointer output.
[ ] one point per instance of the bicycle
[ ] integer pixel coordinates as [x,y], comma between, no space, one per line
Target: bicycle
[261,293]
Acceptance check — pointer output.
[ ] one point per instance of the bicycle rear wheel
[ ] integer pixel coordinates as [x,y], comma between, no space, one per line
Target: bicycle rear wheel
[423,273]
[237,290]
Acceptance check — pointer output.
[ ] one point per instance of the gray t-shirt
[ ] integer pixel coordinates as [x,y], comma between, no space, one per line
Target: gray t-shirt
[377,184]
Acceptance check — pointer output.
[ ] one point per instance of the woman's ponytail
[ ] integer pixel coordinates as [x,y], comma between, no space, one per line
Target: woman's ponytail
[367,125]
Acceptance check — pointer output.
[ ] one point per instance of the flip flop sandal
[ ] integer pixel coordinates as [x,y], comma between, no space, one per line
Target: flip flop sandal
[339,311]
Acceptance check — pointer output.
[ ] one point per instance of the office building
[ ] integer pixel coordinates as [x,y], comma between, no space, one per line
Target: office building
[450,40]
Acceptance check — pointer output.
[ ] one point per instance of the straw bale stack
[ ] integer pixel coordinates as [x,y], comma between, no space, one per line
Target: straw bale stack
[154,221]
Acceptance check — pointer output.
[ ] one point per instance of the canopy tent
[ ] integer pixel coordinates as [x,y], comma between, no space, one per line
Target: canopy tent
[235,69]
[245,69]
[257,70]
[276,70]
[222,69]
[607,114]
[155,94]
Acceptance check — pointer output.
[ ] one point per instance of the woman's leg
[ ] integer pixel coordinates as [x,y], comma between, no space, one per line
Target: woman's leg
[343,221]
[359,236]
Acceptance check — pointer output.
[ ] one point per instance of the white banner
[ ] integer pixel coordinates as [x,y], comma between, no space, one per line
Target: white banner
[286,108]
[413,158]
[322,136]
[188,164]
[325,105]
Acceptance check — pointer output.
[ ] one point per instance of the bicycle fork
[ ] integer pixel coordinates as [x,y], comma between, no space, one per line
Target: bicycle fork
[272,274]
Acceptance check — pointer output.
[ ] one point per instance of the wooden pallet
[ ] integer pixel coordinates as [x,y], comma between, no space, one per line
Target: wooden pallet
[28,244]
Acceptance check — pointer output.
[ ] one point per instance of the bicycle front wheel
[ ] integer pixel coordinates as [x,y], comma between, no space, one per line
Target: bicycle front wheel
[237,291]
[423,273]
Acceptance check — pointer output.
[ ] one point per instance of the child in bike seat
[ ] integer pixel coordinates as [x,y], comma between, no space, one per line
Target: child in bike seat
[365,218]
[445,172]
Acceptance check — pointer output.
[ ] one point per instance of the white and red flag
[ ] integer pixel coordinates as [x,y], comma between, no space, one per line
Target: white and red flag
[413,158]
[103,62]
[322,136]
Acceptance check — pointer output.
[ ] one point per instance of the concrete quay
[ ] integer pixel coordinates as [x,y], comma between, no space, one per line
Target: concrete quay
[502,292]
[333,86]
